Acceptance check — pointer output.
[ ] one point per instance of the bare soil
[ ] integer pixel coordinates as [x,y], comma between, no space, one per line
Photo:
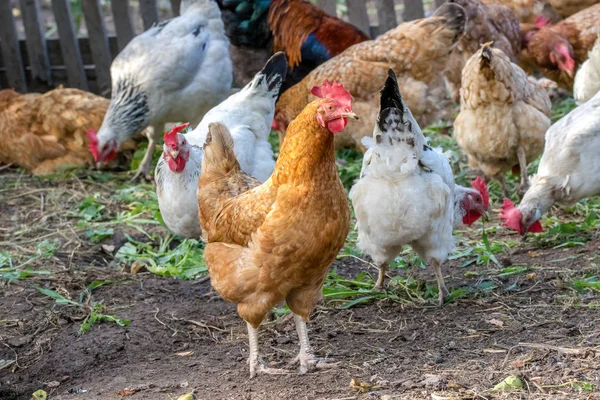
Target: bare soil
[183,338]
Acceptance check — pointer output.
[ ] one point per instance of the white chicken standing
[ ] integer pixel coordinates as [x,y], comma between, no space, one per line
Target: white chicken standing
[568,172]
[406,193]
[175,71]
[247,115]
[587,80]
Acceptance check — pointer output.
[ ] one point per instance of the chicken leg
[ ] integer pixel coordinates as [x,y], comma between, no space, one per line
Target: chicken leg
[254,361]
[306,357]
[443,292]
[524,185]
[381,277]
[144,167]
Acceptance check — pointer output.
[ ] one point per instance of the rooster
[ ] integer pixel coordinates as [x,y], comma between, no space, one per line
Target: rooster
[416,50]
[558,50]
[503,116]
[247,115]
[406,193]
[276,241]
[587,80]
[568,172]
[44,133]
[306,34]
[175,71]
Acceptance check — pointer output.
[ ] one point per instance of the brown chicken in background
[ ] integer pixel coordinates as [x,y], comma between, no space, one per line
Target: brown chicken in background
[566,8]
[44,132]
[503,116]
[417,51]
[276,241]
[558,50]
[527,11]
[485,23]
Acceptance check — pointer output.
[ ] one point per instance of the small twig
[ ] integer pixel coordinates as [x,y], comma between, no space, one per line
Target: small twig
[563,350]
[162,323]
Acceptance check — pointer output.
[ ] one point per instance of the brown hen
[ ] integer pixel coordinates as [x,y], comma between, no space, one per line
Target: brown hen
[43,133]
[503,115]
[274,242]
[558,50]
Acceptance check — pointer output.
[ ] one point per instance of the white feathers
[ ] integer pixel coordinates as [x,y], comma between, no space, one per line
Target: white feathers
[570,167]
[180,69]
[247,115]
[587,80]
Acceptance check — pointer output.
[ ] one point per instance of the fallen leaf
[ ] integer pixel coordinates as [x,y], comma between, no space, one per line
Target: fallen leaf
[6,363]
[496,322]
[127,392]
[184,354]
[52,384]
[531,276]
[109,248]
[510,383]
[137,266]
[533,254]
[189,396]
[363,387]
[39,395]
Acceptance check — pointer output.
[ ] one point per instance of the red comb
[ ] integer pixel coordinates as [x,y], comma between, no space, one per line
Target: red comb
[170,138]
[93,143]
[511,216]
[541,21]
[480,185]
[333,91]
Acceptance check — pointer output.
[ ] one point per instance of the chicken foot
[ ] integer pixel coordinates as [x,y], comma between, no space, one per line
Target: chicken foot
[306,357]
[381,277]
[144,167]
[524,185]
[443,292]
[257,365]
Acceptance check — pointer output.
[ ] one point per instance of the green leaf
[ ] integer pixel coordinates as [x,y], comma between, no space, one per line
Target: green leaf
[510,383]
[57,297]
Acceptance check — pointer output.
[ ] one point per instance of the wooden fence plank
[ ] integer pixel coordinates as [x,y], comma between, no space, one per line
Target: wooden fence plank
[36,42]
[149,11]
[328,6]
[94,22]
[69,45]
[413,9]
[386,12]
[176,7]
[123,23]
[357,14]
[10,49]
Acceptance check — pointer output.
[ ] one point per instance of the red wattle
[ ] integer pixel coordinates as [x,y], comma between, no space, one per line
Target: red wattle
[337,125]
[471,217]
[536,227]
[177,165]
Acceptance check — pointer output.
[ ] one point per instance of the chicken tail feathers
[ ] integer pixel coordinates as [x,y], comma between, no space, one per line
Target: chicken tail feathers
[272,75]
[455,15]
[219,157]
[394,114]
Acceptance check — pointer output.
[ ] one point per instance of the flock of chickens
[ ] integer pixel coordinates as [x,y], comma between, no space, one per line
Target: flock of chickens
[273,228]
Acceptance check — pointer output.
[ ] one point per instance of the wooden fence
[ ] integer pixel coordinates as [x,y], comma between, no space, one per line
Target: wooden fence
[31,61]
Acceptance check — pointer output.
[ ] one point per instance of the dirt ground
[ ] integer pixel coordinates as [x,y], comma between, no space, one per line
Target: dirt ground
[182,338]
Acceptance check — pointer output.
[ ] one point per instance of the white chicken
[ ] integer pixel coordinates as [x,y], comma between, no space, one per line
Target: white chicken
[406,193]
[568,172]
[587,80]
[175,71]
[247,115]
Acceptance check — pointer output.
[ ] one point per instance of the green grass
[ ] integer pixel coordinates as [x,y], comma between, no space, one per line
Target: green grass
[93,310]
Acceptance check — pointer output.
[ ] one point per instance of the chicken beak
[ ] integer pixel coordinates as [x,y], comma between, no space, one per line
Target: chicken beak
[486,215]
[174,153]
[350,114]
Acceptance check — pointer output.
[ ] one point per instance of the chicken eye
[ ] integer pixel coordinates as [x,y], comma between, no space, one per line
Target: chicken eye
[478,200]
[330,108]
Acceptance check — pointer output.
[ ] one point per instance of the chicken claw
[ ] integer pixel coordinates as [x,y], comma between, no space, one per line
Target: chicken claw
[307,359]
[309,362]
[257,365]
